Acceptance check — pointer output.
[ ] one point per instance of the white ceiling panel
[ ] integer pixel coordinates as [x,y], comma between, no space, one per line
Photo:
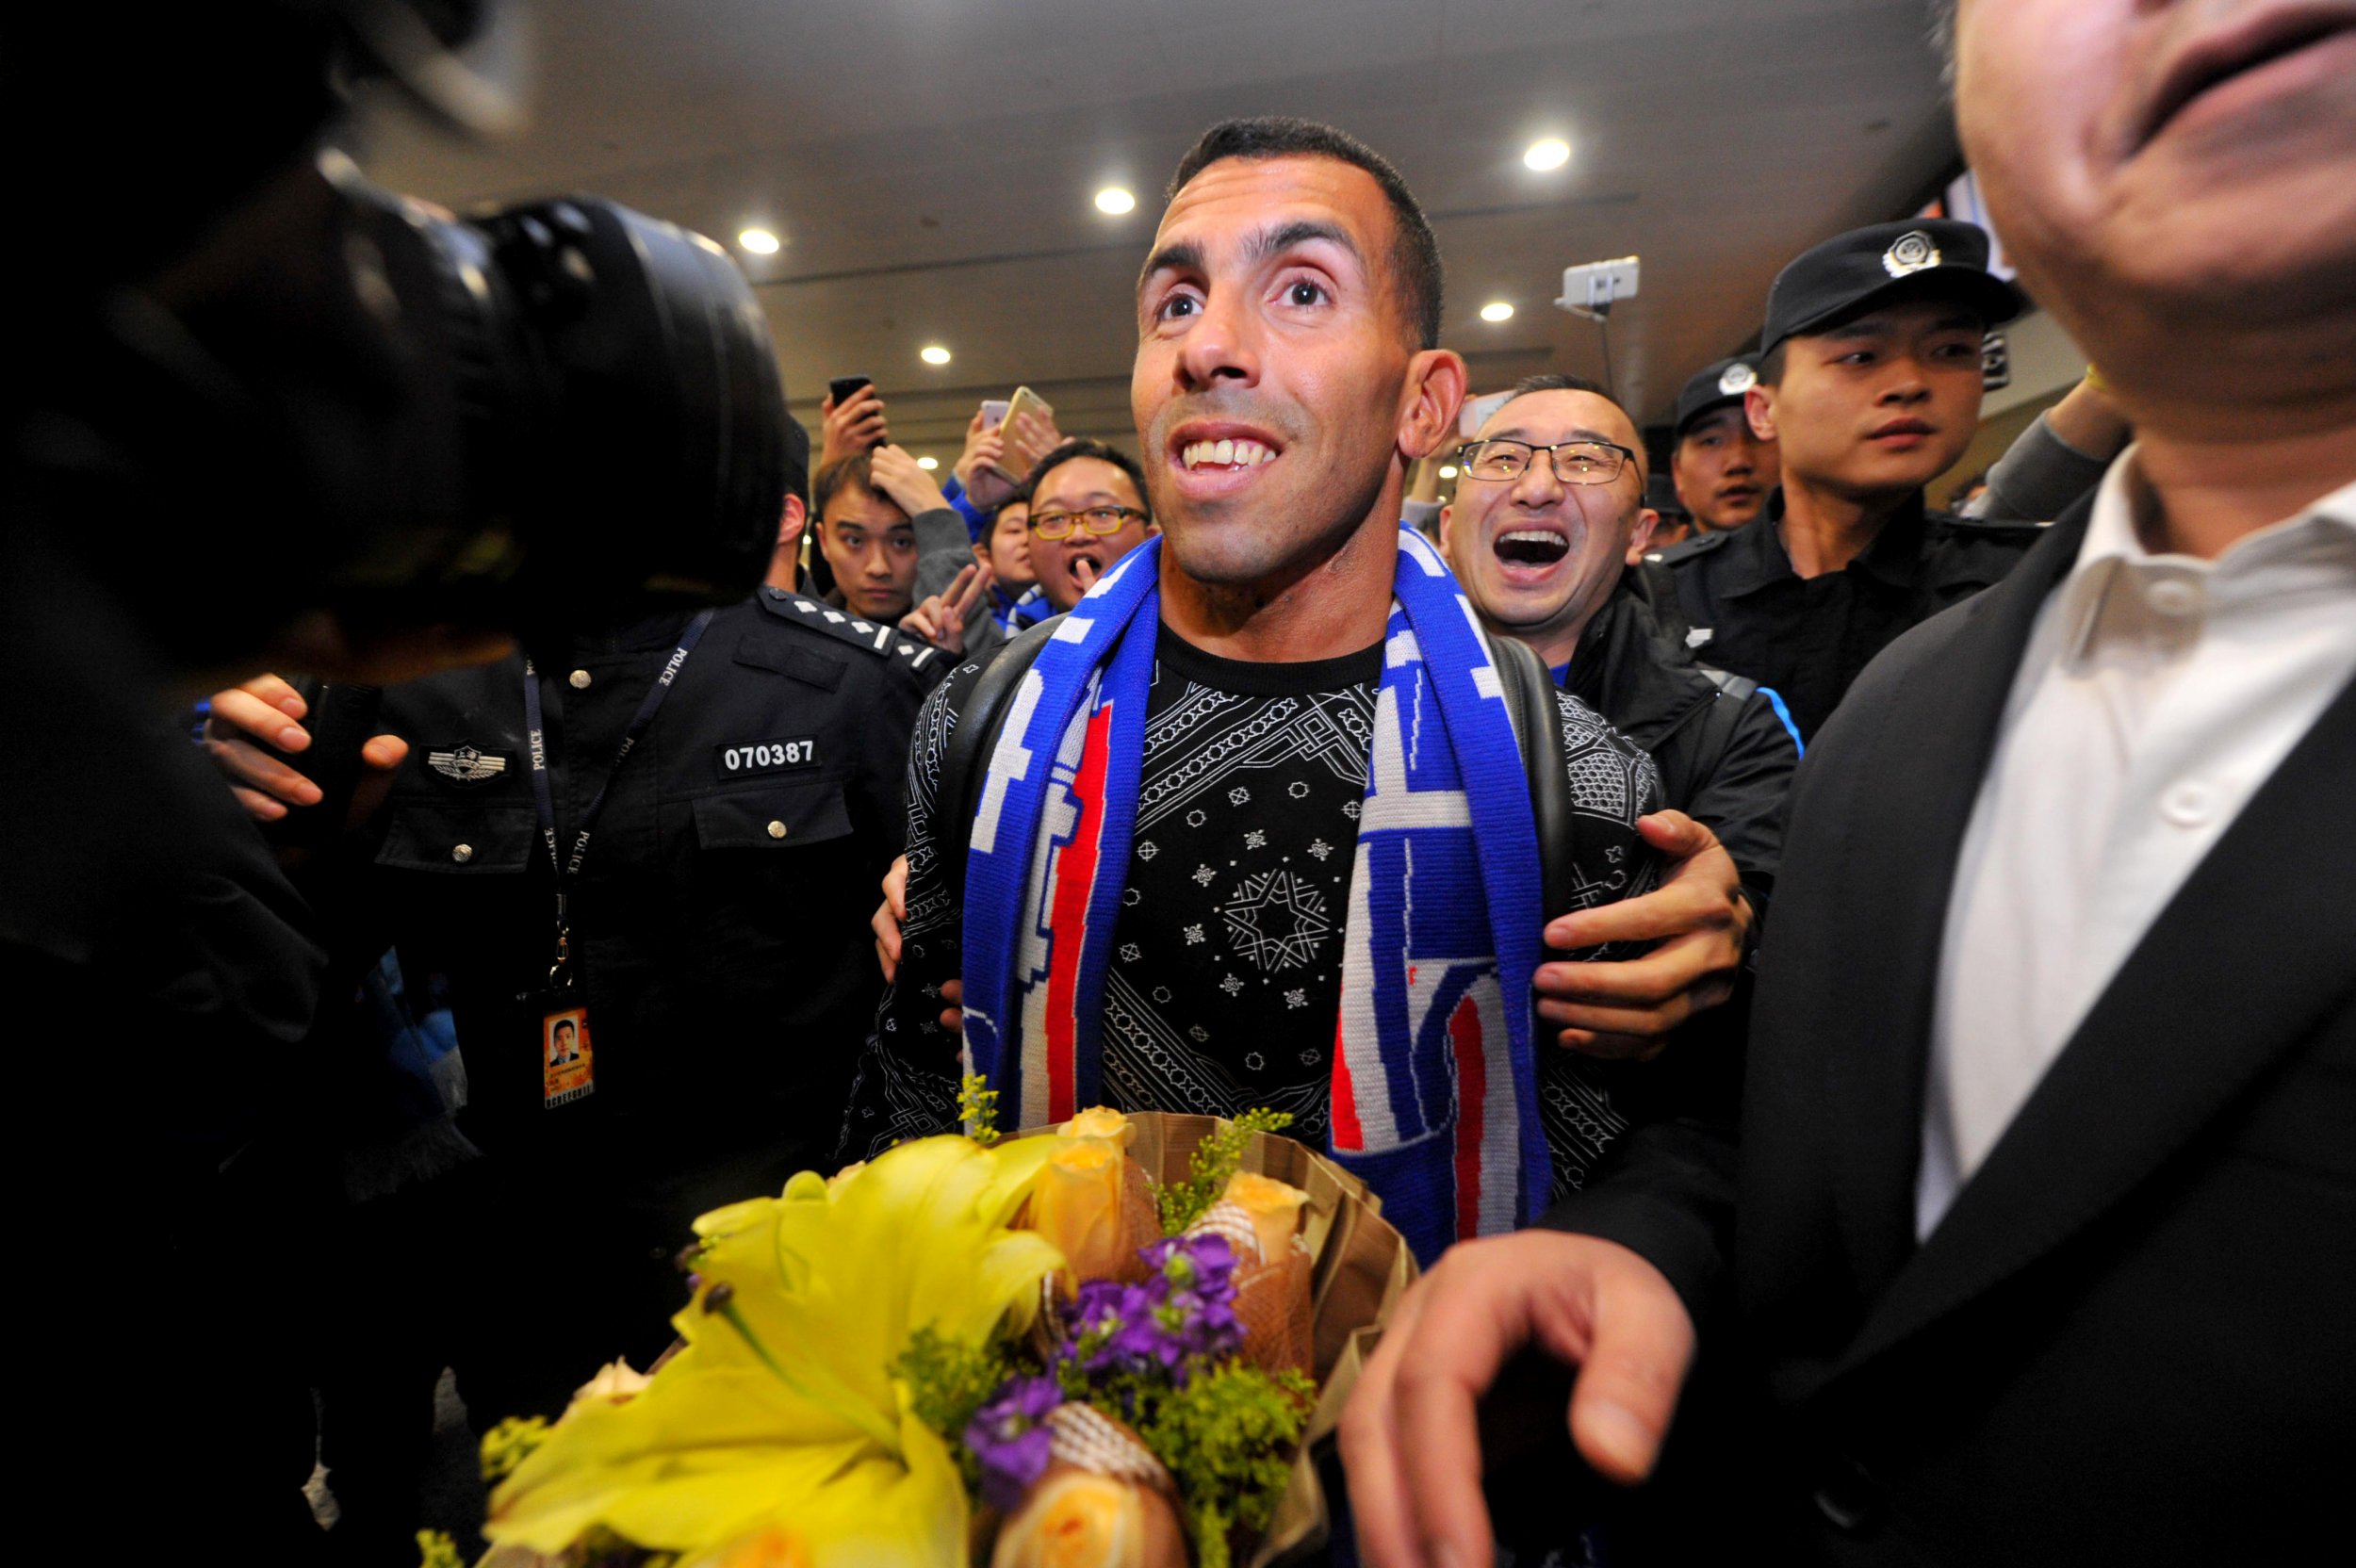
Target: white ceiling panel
[930,163]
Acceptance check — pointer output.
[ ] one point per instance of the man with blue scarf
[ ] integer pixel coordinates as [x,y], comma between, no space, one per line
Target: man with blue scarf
[1255,829]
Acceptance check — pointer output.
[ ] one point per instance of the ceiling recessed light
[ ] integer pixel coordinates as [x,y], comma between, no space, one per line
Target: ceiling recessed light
[760,241]
[933,353]
[928,463]
[1115,200]
[1496,310]
[1553,152]
[1447,470]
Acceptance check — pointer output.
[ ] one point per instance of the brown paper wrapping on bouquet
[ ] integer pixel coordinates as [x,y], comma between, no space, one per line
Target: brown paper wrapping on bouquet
[1272,1296]
[1358,1269]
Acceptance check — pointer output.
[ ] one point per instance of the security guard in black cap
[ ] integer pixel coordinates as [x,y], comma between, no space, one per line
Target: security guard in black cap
[643,861]
[1869,380]
[1722,468]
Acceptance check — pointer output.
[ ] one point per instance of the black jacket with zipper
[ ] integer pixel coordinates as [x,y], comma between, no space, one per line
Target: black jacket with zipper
[1724,757]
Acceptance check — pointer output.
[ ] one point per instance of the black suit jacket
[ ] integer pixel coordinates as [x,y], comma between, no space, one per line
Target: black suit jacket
[2133,1337]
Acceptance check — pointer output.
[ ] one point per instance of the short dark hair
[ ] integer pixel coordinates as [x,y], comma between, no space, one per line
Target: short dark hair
[565,1023]
[1414,253]
[855,472]
[1770,365]
[1080,446]
[1943,37]
[797,459]
[1548,381]
[1021,497]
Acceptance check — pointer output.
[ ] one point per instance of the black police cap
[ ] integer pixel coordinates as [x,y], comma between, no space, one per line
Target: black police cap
[1712,388]
[1850,272]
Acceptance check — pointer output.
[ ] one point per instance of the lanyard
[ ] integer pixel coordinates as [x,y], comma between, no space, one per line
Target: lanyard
[544,799]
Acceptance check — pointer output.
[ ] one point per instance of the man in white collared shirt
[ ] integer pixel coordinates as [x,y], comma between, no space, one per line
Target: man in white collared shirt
[2041,1244]
[2158,690]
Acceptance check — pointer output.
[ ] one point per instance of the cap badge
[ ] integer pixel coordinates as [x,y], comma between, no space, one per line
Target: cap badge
[465,764]
[1911,252]
[1736,380]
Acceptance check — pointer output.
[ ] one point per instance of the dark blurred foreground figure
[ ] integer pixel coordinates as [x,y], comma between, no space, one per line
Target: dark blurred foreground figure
[257,425]
[2041,1242]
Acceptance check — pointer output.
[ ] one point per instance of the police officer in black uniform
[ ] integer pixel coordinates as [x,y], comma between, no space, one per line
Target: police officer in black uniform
[643,863]
[1720,468]
[1869,380]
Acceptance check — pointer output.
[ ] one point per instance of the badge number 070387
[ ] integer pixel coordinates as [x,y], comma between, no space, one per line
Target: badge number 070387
[759,756]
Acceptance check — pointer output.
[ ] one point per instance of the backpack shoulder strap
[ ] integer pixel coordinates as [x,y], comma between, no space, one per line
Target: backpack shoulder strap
[965,761]
[1528,689]
[1736,686]
[1724,718]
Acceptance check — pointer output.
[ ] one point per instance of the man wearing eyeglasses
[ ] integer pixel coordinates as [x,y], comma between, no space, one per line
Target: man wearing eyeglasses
[1086,510]
[1869,383]
[1551,504]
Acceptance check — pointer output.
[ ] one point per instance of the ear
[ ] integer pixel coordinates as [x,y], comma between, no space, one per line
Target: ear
[1639,537]
[1437,380]
[790,526]
[1758,407]
[1448,513]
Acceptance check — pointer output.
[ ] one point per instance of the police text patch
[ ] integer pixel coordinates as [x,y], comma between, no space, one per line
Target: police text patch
[757,756]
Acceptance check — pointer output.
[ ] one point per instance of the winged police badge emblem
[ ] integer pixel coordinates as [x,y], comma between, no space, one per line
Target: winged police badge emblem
[1911,252]
[1737,378]
[466,765]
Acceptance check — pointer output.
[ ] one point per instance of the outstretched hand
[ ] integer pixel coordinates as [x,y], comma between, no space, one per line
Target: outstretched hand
[265,709]
[1699,921]
[1409,1436]
[855,426]
[941,619]
[978,465]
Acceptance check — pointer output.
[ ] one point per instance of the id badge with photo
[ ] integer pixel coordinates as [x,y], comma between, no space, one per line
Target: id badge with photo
[567,1068]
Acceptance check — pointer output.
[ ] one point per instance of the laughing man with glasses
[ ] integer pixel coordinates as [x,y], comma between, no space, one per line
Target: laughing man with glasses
[1550,510]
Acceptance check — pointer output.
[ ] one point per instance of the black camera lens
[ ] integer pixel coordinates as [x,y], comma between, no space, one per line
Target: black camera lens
[581,418]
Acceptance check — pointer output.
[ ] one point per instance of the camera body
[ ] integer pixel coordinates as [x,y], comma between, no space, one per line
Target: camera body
[304,396]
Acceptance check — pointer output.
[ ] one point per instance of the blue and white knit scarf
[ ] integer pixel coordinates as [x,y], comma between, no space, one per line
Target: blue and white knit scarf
[1434,1081]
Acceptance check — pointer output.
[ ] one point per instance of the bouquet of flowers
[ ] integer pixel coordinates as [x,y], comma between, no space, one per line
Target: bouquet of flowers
[1109,1343]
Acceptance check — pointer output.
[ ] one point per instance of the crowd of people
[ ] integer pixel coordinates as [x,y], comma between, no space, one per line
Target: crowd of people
[1937,1151]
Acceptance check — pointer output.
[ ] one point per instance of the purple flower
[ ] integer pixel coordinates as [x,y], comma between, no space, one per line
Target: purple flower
[1194,1291]
[1199,1265]
[1009,1436]
[1183,1313]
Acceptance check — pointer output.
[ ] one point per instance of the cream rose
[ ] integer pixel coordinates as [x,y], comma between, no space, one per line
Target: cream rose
[1101,1121]
[1074,1519]
[1275,1208]
[1077,1205]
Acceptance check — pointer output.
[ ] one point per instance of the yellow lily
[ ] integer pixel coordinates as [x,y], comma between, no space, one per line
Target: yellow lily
[780,1411]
